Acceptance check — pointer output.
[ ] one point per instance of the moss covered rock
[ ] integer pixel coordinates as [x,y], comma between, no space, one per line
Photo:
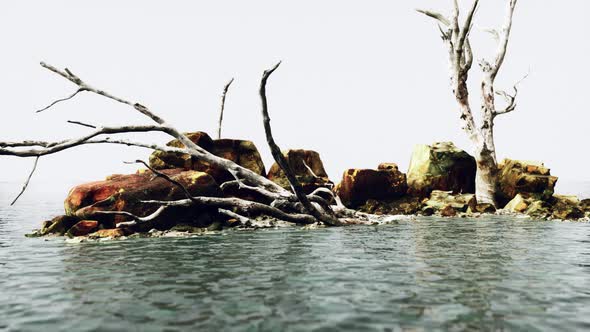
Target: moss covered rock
[308,168]
[441,166]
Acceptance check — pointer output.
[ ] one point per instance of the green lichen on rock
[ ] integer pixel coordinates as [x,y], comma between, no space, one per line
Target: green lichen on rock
[441,166]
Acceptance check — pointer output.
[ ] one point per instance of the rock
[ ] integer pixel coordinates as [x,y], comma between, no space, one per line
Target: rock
[443,167]
[484,208]
[59,225]
[440,200]
[448,211]
[557,207]
[188,228]
[310,178]
[359,185]
[83,227]
[538,209]
[388,167]
[125,193]
[107,233]
[165,160]
[567,208]
[242,152]
[428,211]
[523,177]
[405,205]
[518,204]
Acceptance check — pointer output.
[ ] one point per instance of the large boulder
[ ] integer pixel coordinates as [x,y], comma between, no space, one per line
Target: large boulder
[308,168]
[242,152]
[126,193]
[359,185]
[523,177]
[441,166]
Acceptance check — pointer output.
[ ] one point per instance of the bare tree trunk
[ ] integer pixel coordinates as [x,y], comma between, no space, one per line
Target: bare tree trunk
[456,39]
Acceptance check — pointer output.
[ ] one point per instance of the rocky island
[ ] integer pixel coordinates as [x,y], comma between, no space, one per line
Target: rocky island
[440,181]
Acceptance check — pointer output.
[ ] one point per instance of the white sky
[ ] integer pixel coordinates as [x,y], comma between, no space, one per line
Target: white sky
[361,82]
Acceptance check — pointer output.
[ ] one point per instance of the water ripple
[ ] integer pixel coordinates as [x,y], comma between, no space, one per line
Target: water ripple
[431,274]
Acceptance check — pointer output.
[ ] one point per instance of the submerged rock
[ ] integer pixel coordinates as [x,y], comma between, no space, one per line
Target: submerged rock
[524,177]
[360,185]
[308,169]
[441,166]
[126,193]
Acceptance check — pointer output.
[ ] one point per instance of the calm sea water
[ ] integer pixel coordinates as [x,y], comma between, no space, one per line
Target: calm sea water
[428,274]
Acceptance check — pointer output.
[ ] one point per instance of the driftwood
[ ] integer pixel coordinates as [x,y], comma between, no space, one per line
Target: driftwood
[460,56]
[295,206]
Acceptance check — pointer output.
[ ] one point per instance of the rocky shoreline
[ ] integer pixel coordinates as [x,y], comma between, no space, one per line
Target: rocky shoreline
[440,181]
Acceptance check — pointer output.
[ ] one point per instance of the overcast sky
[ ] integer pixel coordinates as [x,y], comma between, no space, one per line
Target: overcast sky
[361,81]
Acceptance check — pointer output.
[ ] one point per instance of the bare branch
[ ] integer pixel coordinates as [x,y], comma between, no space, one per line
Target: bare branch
[26,182]
[281,160]
[137,220]
[53,147]
[82,124]
[83,86]
[510,98]
[239,217]
[223,106]
[467,26]
[240,205]
[437,16]
[60,100]
[167,178]
[504,38]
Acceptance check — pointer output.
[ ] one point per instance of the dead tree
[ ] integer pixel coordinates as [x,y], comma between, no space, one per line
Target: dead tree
[296,206]
[456,38]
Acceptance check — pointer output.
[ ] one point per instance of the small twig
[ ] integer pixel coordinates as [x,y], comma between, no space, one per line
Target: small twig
[26,182]
[223,106]
[60,100]
[82,124]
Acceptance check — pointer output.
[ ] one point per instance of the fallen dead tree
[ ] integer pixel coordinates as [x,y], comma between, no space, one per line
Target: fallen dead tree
[321,206]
